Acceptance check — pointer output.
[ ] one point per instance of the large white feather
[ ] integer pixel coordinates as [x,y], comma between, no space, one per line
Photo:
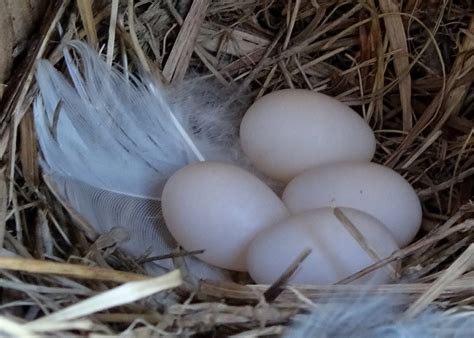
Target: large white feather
[109,143]
[107,125]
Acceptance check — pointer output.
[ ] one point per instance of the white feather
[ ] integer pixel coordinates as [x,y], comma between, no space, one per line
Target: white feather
[107,125]
[372,316]
[109,143]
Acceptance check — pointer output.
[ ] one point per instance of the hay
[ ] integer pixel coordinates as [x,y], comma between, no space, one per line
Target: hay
[407,70]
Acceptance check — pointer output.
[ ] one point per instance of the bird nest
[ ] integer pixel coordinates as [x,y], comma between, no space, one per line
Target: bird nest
[406,68]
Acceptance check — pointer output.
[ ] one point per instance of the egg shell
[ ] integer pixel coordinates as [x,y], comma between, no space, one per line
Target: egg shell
[219,208]
[335,254]
[292,130]
[372,188]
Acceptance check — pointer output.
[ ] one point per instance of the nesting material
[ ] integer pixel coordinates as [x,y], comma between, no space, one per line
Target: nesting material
[358,53]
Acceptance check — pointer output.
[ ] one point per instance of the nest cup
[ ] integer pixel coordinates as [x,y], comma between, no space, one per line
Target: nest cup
[406,68]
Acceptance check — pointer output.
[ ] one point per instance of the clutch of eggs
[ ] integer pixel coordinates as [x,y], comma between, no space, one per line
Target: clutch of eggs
[323,149]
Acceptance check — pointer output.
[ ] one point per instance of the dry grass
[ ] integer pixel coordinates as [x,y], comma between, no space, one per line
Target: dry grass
[407,70]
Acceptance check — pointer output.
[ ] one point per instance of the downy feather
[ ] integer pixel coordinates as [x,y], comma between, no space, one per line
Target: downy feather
[374,316]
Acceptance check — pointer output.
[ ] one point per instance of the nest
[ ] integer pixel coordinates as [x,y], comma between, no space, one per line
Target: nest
[407,69]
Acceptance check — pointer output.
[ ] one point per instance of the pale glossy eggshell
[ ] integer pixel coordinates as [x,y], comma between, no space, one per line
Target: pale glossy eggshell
[335,253]
[372,188]
[292,130]
[219,208]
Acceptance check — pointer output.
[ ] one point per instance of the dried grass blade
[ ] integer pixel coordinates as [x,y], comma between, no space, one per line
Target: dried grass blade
[460,266]
[13,329]
[266,331]
[7,42]
[178,61]
[412,248]
[120,295]
[398,41]
[134,38]
[85,10]
[359,237]
[50,327]
[377,41]
[442,99]
[425,145]
[3,206]
[274,290]
[29,151]
[426,193]
[238,292]
[294,15]
[16,108]
[465,63]
[70,270]
[238,42]
[112,28]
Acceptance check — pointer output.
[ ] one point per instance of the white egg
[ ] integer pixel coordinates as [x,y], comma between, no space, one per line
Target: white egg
[219,208]
[335,254]
[372,188]
[291,130]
